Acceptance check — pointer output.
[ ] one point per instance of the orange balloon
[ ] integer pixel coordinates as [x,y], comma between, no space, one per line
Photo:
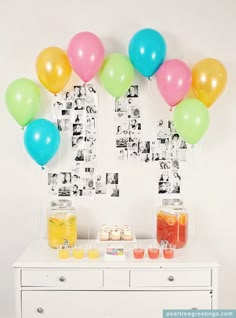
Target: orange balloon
[53,69]
[209,78]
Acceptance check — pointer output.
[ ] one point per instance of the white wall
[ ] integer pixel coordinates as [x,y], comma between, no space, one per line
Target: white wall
[193,30]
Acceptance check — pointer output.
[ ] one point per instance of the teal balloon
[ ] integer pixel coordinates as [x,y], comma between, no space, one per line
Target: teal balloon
[147,51]
[191,119]
[23,99]
[41,140]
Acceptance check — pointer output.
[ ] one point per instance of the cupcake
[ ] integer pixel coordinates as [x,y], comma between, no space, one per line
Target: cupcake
[104,235]
[127,234]
[116,234]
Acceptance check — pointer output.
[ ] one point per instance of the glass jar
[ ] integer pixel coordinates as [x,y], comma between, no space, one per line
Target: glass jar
[62,224]
[172,223]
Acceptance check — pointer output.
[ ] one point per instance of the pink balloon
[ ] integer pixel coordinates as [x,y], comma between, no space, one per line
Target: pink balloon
[86,53]
[174,79]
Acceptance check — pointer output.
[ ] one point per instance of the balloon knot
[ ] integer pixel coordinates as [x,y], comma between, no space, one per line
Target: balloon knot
[55,95]
[149,78]
[43,168]
[22,128]
[171,108]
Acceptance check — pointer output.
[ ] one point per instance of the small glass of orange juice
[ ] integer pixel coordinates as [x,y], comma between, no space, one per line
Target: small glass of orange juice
[78,252]
[63,251]
[93,251]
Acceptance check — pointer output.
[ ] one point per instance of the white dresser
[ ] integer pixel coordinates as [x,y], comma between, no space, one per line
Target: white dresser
[51,288]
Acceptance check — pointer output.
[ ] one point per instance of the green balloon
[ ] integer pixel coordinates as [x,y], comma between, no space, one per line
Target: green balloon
[23,100]
[191,119]
[116,74]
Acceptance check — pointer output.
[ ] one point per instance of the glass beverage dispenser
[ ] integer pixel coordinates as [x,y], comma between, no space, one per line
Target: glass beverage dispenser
[62,224]
[172,223]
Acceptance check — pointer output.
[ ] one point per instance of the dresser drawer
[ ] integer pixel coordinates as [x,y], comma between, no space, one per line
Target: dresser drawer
[170,278]
[73,279]
[116,279]
[104,304]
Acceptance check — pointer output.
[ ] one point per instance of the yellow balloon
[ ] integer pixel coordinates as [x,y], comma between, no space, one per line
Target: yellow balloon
[209,78]
[53,69]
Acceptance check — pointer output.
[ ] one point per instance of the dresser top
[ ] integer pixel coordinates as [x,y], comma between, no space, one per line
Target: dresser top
[39,254]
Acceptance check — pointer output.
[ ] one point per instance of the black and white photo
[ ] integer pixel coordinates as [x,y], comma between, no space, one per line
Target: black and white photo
[120,105]
[145,157]
[64,191]
[163,187]
[132,91]
[78,142]
[144,147]
[63,124]
[88,183]
[78,129]
[65,177]
[122,153]
[100,185]
[113,190]
[79,155]
[111,178]
[53,179]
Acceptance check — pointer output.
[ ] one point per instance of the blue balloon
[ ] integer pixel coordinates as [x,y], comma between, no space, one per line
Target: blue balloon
[147,51]
[41,140]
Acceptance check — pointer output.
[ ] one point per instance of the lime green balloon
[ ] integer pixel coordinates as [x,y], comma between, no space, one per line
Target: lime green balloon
[23,100]
[191,119]
[116,74]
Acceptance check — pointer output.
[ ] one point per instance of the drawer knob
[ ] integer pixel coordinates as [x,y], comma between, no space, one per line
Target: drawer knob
[171,278]
[40,310]
[62,279]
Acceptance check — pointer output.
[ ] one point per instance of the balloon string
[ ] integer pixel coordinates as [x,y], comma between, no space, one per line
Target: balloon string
[42,216]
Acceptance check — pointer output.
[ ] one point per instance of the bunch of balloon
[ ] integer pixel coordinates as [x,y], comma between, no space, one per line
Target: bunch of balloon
[147,51]
[116,74]
[86,54]
[191,116]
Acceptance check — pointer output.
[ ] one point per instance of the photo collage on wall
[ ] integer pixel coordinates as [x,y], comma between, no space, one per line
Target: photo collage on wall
[76,113]
[168,148]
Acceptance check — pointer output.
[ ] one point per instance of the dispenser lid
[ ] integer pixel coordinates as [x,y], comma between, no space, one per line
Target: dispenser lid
[61,204]
[172,202]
